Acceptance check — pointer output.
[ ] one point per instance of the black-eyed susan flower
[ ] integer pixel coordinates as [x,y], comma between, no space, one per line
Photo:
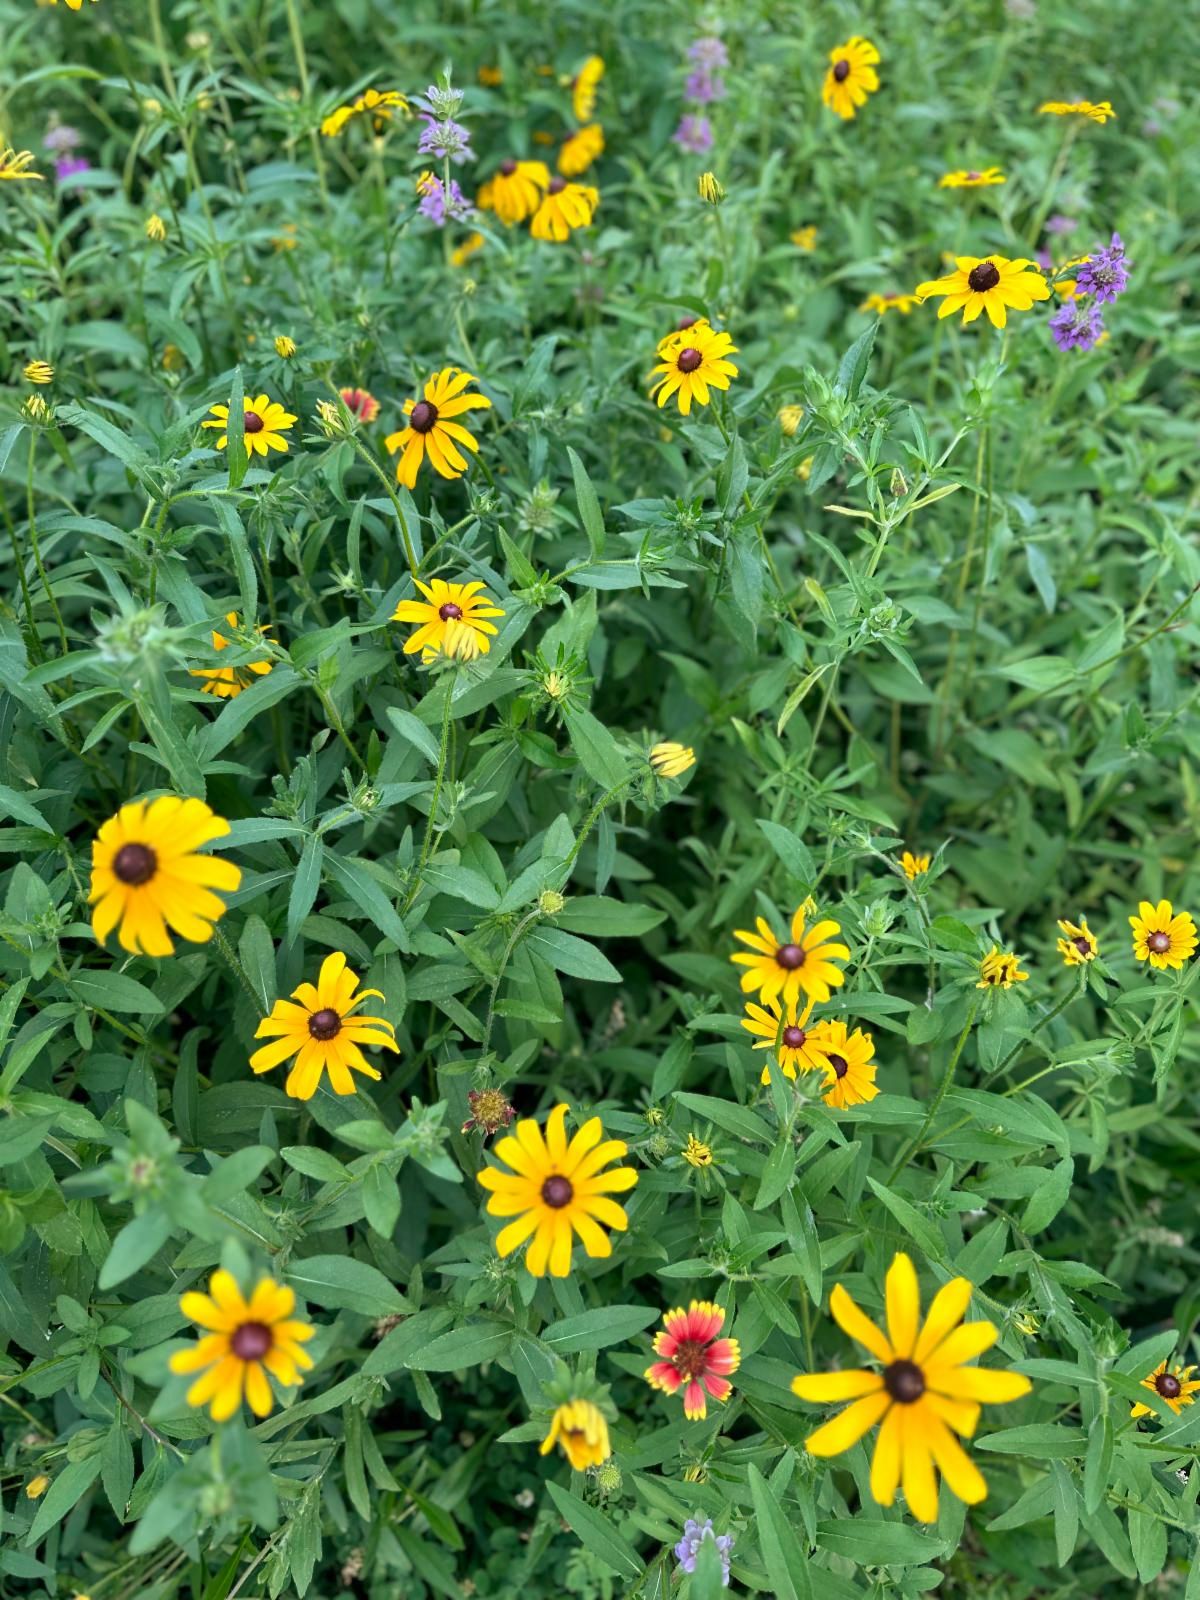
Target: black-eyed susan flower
[883,303]
[361,403]
[556,1190]
[1078,943]
[155,228]
[323,1033]
[1000,969]
[986,283]
[693,1358]
[1162,936]
[285,346]
[925,1394]
[804,238]
[264,423]
[671,760]
[379,105]
[228,682]
[696,1153]
[580,149]
[564,207]
[693,361]
[463,252]
[784,969]
[432,431]
[851,76]
[914,866]
[848,1066]
[962,179]
[490,77]
[244,1341]
[515,190]
[786,1031]
[39,372]
[1174,1384]
[580,1428]
[454,620]
[584,87]
[1096,111]
[148,875]
[15,166]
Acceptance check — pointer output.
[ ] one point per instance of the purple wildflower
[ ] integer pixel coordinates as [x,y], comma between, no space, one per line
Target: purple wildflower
[1077,327]
[68,167]
[702,87]
[1105,274]
[446,139]
[442,205]
[709,53]
[694,1535]
[62,138]
[694,134]
[1060,224]
[1044,260]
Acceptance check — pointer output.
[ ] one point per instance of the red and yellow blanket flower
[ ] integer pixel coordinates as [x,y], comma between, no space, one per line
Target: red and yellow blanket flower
[693,1358]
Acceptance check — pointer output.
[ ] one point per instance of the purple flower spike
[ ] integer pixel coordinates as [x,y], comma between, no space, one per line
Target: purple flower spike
[446,139]
[1077,327]
[68,167]
[703,87]
[1106,274]
[694,134]
[709,53]
[441,205]
[688,1549]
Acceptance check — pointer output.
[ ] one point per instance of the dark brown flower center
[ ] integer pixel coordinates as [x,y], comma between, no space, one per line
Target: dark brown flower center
[1168,1385]
[904,1381]
[789,957]
[689,359]
[686,322]
[449,612]
[1083,946]
[325,1024]
[841,70]
[1159,942]
[557,1191]
[983,277]
[839,1064]
[423,416]
[974,176]
[557,185]
[135,864]
[250,1341]
[252,422]
[507,168]
[793,1038]
[690,1359]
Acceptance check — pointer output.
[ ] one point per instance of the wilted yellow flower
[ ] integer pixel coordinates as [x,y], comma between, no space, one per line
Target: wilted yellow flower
[1000,969]
[40,372]
[579,1427]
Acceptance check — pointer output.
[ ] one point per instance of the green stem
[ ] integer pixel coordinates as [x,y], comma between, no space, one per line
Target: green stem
[410,555]
[439,778]
[943,1089]
[227,950]
[34,546]
[1072,994]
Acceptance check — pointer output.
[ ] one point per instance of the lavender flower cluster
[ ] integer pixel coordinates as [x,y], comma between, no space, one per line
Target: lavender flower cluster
[1079,324]
[63,141]
[687,1551]
[443,137]
[703,85]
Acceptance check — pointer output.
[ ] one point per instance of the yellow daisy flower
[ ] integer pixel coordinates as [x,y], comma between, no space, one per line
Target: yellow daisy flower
[148,874]
[515,190]
[432,432]
[40,372]
[556,1190]
[1175,1385]
[375,103]
[1100,111]
[565,206]
[890,302]
[584,87]
[1078,944]
[1000,969]
[490,77]
[851,76]
[671,760]
[580,149]
[787,1033]
[1162,936]
[454,620]
[15,164]
[913,865]
[244,1341]
[804,238]
[783,969]
[323,1033]
[925,1394]
[988,178]
[581,1430]
[986,283]
[692,361]
[228,682]
[849,1069]
[264,423]
[696,1153]
[462,253]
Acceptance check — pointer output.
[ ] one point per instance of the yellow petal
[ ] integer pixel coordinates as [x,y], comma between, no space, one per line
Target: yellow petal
[848,1427]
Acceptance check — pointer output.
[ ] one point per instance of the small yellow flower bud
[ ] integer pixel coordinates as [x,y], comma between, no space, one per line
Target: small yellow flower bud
[36,1487]
[39,372]
[550,902]
[156,228]
[711,192]
[284,346]
[790,418]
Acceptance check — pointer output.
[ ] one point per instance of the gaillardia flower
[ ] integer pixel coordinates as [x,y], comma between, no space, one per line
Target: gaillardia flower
[972,180]
[1162,936]
[378,104]
[914,866]
[848,1065]
[147,874]
[584,86]
[1000,969]
[1078,943]
[786,968]
[894,301]
[515,190]
[323,1033]
[555,1190]
[693,1358]
[924,1395]
[796,1045]
[245,1341]
[431,429]
[692,361]
[987,283]
[228,682]
[264,423]
[580,149]
[1098,111]
[454,620]
[1175,1385]
[361,402]
[580,1428]
[671,760]
[565,206]
[851,76]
